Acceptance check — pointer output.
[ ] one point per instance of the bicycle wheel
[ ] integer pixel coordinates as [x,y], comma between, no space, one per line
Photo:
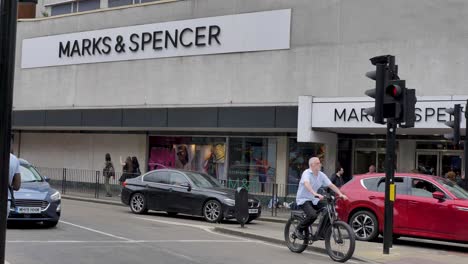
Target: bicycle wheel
[340,241]
[295,244]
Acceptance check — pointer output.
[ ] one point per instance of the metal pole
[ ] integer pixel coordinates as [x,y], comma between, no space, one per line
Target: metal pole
[96,194]
[7,67]
[389,186]
[465,147]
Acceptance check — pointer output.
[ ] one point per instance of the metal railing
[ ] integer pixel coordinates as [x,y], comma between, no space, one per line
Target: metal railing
[276,199]
[81,182]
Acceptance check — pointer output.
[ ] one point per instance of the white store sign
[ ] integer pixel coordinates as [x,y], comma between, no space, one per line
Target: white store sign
[258,31]
[344,113]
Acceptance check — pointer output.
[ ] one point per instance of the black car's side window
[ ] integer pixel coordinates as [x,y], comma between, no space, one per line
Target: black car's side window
[157,177]
[423,188]
[400,185]
[177,178]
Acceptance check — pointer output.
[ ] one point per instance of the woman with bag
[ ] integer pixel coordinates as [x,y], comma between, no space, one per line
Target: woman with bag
[108,172]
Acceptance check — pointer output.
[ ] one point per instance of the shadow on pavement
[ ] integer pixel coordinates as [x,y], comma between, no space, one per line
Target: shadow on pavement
[27,225]
[200,219]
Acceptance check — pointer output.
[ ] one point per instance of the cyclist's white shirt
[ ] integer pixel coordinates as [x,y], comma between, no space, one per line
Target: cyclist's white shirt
[316,181]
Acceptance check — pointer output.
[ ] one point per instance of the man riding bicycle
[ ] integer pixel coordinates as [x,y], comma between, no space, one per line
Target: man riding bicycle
[312,180]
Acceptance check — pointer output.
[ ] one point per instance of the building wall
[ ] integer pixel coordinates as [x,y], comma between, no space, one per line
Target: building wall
[81,151]
[331,42]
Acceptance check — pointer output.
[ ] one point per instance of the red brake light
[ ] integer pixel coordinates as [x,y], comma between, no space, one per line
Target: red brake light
[124,184]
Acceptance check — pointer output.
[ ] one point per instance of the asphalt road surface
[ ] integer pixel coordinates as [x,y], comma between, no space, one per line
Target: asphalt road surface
[106,234]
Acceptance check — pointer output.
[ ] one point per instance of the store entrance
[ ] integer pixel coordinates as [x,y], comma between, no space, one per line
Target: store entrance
[439,162]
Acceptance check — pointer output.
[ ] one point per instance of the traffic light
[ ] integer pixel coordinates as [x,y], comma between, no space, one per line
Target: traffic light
[393,100]
[454,124]
[409,108]
[378,93]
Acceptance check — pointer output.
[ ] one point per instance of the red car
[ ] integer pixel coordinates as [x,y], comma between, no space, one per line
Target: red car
[425,206]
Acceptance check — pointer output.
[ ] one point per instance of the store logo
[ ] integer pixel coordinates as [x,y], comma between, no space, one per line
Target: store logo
[156,41]
[358,115]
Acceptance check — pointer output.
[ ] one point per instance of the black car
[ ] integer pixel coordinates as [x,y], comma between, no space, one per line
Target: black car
[36,201]
[187,192]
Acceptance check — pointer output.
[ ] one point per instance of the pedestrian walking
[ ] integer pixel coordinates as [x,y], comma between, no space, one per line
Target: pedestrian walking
[108,172]
[136,167]
[127,169]
[337,178]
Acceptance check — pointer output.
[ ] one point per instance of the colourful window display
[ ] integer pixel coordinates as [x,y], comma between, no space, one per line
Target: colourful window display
[200,154]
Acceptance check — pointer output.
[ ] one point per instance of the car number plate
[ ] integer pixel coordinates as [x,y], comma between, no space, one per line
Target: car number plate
[28,210]
[253,211]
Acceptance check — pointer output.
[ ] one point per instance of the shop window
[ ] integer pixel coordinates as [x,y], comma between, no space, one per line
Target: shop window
[199,154]
[252,163]
[299,155]
[366,144]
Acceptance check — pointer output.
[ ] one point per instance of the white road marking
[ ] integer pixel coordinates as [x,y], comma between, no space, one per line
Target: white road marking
[96,231]
[126,242]
[208,229]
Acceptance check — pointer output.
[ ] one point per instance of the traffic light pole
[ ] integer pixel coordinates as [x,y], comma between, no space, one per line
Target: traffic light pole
[389,185]
[8,13]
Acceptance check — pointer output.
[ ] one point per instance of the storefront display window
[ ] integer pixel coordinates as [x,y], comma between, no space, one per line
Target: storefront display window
[252,163]
[299,155]
[200,154]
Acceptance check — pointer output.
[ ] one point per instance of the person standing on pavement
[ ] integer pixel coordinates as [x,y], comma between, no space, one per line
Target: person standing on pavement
[136,167]
[307,197]
[337,178]
[108,172]
[127,170]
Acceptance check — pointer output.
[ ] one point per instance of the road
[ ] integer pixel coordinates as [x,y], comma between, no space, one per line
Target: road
[98,233]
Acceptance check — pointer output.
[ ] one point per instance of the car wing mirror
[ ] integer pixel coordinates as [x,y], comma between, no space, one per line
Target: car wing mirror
[46,179]
[187,185]
[438,195]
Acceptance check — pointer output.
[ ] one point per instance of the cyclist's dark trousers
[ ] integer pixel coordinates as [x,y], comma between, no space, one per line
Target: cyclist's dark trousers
[311,212]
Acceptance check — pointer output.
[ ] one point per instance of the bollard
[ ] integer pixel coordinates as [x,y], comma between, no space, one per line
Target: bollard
[242,205]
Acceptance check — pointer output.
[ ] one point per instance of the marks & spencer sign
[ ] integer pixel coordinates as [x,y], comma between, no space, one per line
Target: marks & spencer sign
[258,31]
[343,113]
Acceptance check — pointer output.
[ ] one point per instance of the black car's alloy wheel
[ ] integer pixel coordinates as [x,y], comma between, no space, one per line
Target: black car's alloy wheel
[212,211]
[138,203]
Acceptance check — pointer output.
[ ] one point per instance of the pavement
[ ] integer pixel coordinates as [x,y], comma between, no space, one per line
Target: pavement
[405,250]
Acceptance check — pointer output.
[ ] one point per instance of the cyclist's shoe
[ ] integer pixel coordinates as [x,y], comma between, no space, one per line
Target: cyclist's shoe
[300,234]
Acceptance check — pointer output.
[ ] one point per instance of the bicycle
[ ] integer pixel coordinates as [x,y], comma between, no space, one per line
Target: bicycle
[329,227]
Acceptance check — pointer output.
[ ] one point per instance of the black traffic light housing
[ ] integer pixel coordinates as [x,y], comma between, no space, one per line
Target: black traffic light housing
[378,93]
[454,124]
[392,99]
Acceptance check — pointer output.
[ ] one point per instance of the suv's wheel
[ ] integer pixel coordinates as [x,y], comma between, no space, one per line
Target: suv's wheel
[138,203]
[365,225]
[212,211]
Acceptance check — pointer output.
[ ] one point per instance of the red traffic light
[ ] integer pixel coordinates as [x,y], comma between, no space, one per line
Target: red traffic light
[393,90]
